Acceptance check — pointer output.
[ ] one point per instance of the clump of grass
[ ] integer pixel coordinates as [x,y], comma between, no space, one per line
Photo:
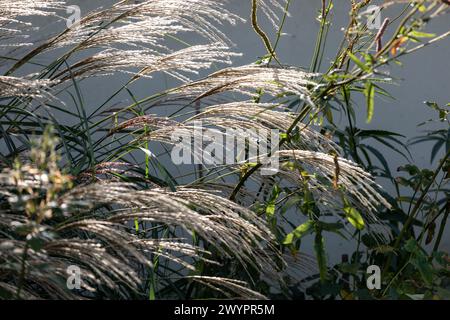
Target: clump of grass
[80,196]
[51,225]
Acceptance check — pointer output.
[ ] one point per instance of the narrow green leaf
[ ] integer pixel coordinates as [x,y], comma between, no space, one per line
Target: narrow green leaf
[319,248]
[369,92]
[438,145]
[301,231]
[271,206]
[354,217]
[418,34]
[358,62]
[382,133]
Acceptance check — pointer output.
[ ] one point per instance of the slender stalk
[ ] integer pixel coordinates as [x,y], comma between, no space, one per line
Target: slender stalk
[260,32]
[320,36]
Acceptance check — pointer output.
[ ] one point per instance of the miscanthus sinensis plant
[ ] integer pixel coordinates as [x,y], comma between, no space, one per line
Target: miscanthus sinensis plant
[94,193]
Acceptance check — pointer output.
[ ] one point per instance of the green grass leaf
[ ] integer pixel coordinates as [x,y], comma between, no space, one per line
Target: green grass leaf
[319,248]
[369,92]
[301,231]
[358,62]
[354,217]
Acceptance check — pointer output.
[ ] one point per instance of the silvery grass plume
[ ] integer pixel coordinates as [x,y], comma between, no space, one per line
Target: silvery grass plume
[230,288]
[248,119]
[146,23]
[269,8]
[330,178]
[223,223]
[243,80]
[107,253]
[46,227]
[12,11]
[109,171]
[337,185]
[351,177]
[177,64]
[25,87]
[265,116]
